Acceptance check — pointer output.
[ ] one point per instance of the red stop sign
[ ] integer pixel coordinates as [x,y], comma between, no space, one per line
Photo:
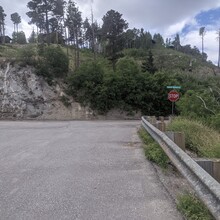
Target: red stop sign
[173,96]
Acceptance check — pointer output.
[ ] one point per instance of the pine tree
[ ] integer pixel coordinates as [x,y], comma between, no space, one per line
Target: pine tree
[2,24]
[48,15]
[148,65]
[74,25]
[112,33]
[33,37]
[16,19]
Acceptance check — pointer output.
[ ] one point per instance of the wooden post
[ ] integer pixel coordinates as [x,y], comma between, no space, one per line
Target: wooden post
[161,118]
[178,138]
[161,126]
[216,170]
[206,164]
[153,120]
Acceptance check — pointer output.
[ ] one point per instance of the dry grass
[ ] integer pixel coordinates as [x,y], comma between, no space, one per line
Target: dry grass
[200,138]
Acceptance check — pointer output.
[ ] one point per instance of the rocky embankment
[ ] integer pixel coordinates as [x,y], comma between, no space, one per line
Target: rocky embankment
[25,95]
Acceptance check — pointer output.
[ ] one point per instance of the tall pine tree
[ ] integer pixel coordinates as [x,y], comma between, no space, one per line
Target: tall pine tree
[112,33]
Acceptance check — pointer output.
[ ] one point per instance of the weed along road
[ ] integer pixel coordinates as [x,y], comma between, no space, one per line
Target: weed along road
[78,170]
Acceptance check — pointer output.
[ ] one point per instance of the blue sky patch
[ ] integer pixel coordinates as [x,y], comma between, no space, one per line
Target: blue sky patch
[208,17]
[204,18]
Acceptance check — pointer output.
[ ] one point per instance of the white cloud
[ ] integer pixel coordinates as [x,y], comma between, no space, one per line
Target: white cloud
[210,43]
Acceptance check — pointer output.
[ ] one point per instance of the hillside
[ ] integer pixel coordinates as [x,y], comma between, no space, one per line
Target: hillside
[164,58]
[35,85]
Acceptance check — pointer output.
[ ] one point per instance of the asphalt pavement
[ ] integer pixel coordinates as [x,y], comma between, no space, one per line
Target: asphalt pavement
[86,170]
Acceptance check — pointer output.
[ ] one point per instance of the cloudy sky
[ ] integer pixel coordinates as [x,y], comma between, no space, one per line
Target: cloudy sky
[166,17]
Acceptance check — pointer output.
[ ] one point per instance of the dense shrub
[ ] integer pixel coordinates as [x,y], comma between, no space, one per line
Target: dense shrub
[53,63]
[27,55]
[127,88]
[86,85]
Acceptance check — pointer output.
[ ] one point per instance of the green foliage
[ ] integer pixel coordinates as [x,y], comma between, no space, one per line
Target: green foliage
[192,208]
[148,65]
[200,138]
[86,85]
[198,104]
[153,151]
[135,53]
[112,32]
[33,37]
[214,121]
[53,63]
[127,67]
[19,37]
[127,88]
[16,19]
[200,99]
[27,55]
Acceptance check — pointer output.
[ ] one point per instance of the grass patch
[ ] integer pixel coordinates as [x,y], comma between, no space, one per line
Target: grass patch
[201,139]
[192,208]
[153,151]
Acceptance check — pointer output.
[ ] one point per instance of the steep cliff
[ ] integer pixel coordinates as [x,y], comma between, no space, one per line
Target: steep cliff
[25,95]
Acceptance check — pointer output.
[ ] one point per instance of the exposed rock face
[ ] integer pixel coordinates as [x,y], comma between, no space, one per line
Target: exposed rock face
[24,95]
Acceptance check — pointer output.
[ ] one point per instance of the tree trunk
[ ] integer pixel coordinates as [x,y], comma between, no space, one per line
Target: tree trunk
[3,31]
[77,50]
[219,48]
[47,27]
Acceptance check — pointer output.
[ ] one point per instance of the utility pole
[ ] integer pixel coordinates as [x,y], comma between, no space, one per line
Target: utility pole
[219,48]
[202,34]
[93,32]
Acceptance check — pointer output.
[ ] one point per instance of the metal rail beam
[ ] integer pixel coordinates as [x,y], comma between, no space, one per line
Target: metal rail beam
[206,187]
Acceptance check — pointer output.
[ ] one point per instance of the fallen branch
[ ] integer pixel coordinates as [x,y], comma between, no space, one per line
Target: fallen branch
[205,106]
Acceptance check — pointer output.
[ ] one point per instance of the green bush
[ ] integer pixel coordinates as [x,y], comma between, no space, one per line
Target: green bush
[53,63]
[136,53]
[127,89]
[153,151]
[86,85]
[192,208]
[196,104]
[215,121]
[27,55]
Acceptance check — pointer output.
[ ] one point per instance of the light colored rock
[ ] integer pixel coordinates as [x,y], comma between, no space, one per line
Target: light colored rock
[24,95]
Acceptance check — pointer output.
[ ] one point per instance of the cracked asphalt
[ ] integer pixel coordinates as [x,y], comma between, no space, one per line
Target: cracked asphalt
[87,170]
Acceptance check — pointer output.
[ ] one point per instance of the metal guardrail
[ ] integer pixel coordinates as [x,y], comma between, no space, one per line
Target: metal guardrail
[206,187]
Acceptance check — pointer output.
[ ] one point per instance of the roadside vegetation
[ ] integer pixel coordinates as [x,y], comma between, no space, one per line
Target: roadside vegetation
[200,139]
[192,208]
[153,151]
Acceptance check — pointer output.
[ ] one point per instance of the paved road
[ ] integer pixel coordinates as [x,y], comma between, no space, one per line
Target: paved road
[83,170]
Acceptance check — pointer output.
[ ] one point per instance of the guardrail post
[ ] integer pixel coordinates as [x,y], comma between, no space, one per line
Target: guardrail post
[206,164]
[152,120]
[161,118]
[216,170]
[178,138]
[161,126]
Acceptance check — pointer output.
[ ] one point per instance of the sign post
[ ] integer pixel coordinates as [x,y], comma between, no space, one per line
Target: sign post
[173,96]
